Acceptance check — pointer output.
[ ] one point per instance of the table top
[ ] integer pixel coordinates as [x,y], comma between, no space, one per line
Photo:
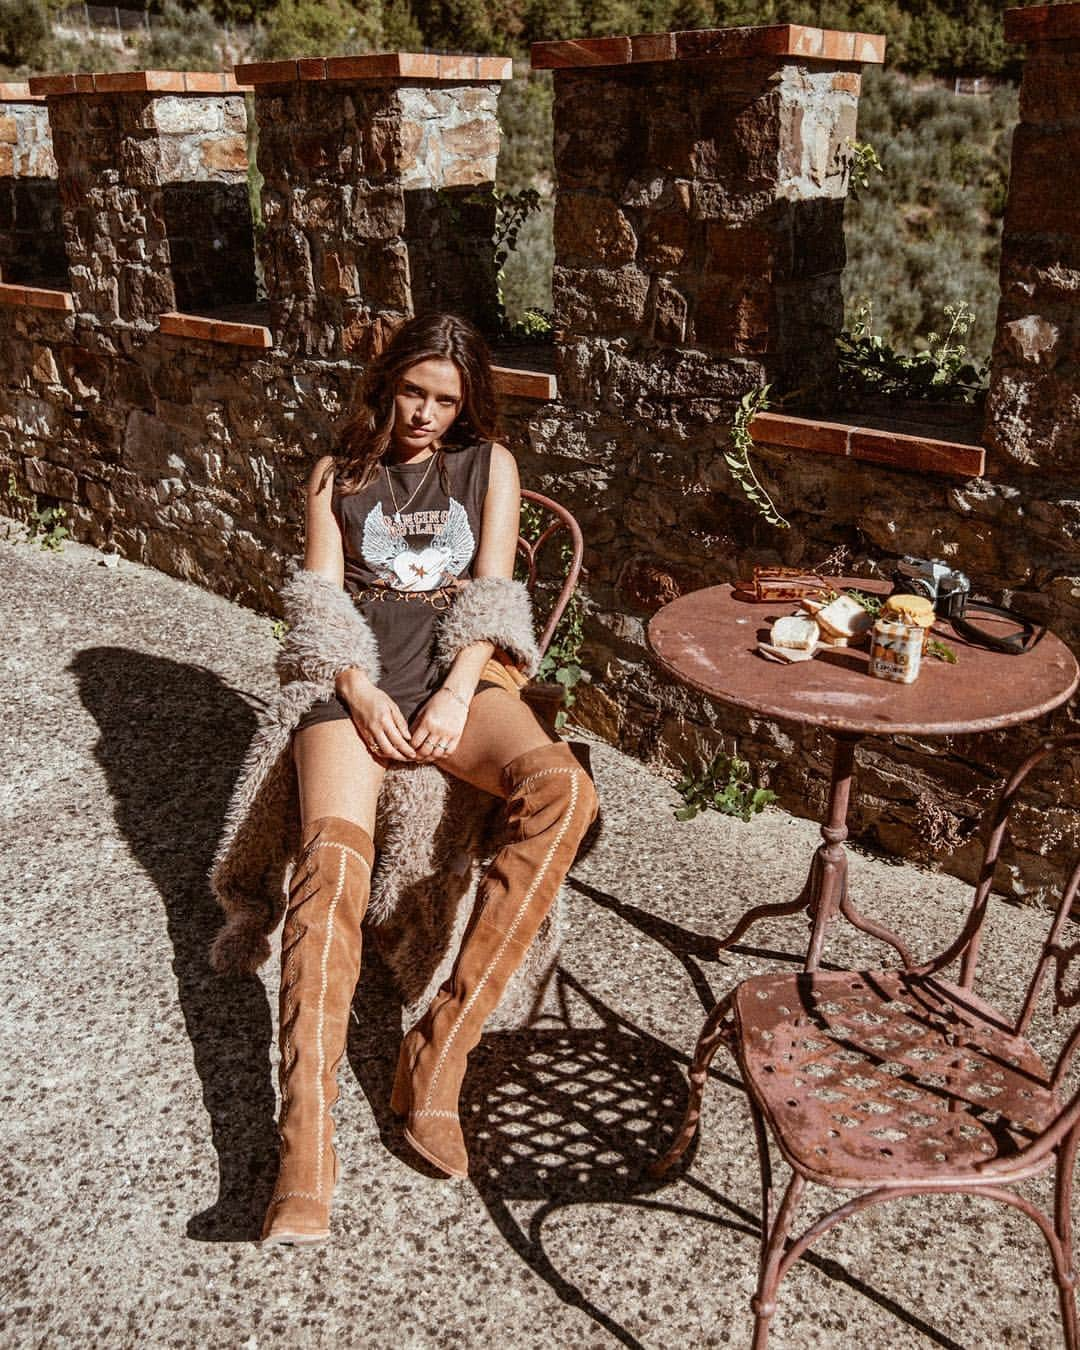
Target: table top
[708,639]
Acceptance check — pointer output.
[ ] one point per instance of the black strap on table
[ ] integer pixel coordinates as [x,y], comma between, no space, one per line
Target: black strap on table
[1013,644]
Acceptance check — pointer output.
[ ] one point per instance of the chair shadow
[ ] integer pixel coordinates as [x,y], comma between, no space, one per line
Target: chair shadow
[172,736]
[569,1116]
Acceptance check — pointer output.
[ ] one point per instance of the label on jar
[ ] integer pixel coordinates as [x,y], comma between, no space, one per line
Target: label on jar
[896,652]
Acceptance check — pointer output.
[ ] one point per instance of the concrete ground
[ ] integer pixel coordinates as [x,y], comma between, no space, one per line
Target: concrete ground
[137,1139]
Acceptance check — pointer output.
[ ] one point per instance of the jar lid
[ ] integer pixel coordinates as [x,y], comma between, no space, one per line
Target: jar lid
[909,609]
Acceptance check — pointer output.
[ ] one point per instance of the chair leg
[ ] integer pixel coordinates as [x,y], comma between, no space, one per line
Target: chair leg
[713,1034]
[773,1244]
[1064,1270]
[765,1164]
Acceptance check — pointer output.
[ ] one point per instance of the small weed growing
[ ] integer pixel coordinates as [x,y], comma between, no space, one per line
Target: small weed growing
[44,523]
[722,785]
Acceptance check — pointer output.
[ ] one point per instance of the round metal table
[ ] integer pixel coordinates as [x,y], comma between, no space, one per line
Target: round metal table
[708,639]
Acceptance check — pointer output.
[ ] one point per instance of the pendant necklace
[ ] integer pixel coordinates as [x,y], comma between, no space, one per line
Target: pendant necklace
[398,509]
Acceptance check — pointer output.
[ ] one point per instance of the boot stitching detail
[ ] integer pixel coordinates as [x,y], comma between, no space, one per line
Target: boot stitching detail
[507,937]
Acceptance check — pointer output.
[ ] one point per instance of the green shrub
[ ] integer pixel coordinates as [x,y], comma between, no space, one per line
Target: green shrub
[318,28]
[185,39]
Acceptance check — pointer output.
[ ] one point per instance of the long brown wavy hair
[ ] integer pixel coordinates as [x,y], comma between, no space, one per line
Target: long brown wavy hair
[366,434]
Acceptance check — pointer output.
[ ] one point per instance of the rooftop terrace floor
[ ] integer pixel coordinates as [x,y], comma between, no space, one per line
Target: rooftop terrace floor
[137,1142]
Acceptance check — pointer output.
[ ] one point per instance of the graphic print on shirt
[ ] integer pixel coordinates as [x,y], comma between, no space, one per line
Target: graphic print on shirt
[406,569]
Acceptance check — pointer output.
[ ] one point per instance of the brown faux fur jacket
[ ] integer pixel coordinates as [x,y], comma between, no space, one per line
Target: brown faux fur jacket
[431,831]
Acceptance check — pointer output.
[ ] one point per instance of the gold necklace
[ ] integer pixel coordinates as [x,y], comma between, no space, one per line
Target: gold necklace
[398,509]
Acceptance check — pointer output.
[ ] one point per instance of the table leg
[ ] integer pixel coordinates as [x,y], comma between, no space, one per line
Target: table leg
[825,893]
[830,860]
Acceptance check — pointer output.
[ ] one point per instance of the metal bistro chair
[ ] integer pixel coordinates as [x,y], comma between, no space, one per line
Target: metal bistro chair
[546,698]
[899,1082]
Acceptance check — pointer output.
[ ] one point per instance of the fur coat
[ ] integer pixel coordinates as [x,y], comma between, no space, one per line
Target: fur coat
[432,831]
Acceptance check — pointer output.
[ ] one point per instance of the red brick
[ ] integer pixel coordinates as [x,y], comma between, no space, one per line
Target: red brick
[918,453]
[779,40]
[838,46]
[614,51]
[210,82]
[185,325]
[241,334]
[800,433]
[40,298]
[805,41]
[531,384]
[51,84]
[459,67]
[848,82]
[18,93]
[870,48]
[267,72]
[652,47]
[1042,23]
[140,81]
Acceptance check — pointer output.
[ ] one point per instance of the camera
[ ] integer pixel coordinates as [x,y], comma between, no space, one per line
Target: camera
[945,588]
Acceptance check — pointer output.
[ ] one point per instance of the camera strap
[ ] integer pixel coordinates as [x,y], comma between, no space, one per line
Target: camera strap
[1012,644]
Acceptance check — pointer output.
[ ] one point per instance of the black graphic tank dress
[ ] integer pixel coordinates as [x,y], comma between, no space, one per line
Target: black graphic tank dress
[406,542]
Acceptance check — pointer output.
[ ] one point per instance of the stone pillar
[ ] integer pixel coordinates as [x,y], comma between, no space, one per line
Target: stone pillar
[153,186]
[31,240]
[377,196]
[1033,408]
[701,182]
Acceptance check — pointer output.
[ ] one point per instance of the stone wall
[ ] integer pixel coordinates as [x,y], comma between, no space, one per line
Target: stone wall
[31,240]
[699,247]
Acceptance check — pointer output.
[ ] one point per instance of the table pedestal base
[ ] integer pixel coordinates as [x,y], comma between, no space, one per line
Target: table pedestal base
[826,893]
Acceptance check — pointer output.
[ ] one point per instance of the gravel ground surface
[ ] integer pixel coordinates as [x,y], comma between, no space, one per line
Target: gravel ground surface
[138,1140]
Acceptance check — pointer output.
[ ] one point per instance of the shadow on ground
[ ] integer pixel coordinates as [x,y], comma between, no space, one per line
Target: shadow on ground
[171,739]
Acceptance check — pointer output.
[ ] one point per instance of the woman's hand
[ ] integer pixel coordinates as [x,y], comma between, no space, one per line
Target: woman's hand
[376,716]
[438,725]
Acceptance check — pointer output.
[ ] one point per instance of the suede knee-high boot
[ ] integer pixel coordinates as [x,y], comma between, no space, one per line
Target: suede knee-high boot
[320,965]
[550,804]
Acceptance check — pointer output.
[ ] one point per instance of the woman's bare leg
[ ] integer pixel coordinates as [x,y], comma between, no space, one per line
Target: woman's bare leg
[337,774]
[500,727]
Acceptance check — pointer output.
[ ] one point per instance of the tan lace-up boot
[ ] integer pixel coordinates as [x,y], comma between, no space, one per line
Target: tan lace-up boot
[320,964]
[551,803]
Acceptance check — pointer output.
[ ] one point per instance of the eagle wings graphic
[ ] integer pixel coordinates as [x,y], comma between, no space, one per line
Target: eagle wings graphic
[407,569]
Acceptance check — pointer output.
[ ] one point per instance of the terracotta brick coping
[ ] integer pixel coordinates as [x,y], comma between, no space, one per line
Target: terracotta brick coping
[1042,23]
[214,330]
[526,384]
[432,67]
[782,39]
[19,93]
[139,82]
[36,297]
[898,451]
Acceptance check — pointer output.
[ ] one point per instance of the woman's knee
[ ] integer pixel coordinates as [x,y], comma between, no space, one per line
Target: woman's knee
[553,786]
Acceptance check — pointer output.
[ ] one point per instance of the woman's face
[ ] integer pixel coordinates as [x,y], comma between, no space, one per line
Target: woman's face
[426,402]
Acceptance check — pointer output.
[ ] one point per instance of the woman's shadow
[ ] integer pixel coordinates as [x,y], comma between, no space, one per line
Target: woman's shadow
[172,737]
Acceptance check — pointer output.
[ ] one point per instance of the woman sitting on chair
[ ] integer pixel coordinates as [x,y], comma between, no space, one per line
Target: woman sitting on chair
[416,508]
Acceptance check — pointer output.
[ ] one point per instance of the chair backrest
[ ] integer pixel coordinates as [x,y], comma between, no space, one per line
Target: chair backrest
[561,519]
[1053,955]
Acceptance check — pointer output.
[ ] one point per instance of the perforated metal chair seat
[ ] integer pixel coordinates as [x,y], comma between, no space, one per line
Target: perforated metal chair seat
[875,1076]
